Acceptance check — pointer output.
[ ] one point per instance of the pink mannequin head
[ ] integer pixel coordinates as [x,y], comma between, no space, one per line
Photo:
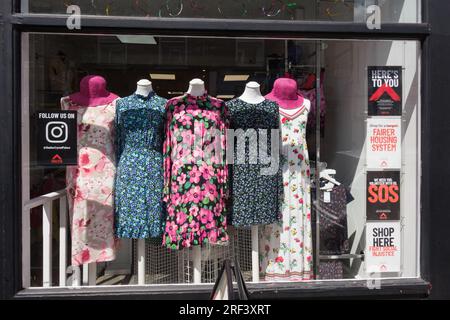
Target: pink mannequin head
[93,92]
[285,93]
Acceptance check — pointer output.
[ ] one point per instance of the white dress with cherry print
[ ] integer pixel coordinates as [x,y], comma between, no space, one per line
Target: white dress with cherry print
[286,247]
[90,184]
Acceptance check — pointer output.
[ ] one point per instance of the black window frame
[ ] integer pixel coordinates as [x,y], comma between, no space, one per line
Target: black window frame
[13,24]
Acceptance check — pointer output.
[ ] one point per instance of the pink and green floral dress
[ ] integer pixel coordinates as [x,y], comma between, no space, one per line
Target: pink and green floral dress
[195,171]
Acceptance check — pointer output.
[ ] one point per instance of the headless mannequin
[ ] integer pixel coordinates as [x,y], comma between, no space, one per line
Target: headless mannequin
[196,87]
[144,87]
[252,93]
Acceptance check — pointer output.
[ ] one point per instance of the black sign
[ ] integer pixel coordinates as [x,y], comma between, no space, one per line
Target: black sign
[57,138]
[385,91]
[383,195]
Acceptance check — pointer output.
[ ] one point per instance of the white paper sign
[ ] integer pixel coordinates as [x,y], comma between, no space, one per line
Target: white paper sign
[384,143]
[383,247]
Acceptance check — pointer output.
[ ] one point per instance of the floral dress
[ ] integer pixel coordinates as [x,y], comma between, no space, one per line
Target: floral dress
[139,211]
[255,190]
[90,184]
[286,247]
[195,171]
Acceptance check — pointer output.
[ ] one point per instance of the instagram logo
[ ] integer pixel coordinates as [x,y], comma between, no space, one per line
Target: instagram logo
[56,132]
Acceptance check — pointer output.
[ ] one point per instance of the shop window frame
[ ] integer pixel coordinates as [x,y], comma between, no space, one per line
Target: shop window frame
[13,24]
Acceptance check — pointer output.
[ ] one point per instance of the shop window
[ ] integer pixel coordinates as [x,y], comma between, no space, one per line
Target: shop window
[347,114]
[321,10]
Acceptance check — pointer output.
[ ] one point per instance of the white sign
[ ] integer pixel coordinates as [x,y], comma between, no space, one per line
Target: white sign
[384,143]
[383,247]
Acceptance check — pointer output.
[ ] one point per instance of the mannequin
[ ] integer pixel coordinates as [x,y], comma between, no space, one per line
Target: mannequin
[89,194]
[144,87]
[196,87]
[285,93]
[294,264]
[252,93]
[93,92]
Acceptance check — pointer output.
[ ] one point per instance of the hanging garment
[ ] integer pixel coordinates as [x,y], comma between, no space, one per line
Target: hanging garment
[286,247]
[195,171]
[308,91]
[333,220]
[90,184]
[331,269]
[139,127]
[255,194]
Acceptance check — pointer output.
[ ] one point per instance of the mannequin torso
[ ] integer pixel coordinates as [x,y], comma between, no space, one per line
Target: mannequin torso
[294,112]
[196,88]
[252,93]
[144,88]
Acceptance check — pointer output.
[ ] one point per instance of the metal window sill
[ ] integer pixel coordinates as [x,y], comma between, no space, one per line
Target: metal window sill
[352,289]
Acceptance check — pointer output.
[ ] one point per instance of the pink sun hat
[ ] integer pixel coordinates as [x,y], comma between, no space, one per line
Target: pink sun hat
[93,92]
[284,93]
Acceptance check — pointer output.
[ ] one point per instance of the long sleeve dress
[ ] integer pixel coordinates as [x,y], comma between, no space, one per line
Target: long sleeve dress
[139,210]
[195,171]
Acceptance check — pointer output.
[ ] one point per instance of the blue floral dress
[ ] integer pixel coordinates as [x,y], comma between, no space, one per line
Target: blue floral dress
[139,125]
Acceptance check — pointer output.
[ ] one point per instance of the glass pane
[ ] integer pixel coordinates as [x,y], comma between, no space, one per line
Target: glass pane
[346,121]
[321,10]
[371,151]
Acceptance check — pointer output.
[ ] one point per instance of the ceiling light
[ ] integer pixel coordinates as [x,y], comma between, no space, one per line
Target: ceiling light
[136,39]
[225,96]
[236,77]
[162,76]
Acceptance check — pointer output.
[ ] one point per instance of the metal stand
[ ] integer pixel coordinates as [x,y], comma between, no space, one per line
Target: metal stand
[197,262]
[317,175]
[141,261]
[255,254]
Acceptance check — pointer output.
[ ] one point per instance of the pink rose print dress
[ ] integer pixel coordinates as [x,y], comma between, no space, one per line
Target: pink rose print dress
[286,247]
[90,184]
[195,171]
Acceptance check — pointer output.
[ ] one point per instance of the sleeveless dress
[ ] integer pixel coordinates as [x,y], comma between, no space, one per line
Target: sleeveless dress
[286,247]
[139,124]
[255,190]
[90,184]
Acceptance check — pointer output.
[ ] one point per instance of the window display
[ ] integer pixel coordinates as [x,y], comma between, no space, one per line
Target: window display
[268,161]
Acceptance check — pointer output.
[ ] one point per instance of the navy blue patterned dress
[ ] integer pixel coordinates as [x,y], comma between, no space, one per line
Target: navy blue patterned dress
[139,125]
[255,196]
